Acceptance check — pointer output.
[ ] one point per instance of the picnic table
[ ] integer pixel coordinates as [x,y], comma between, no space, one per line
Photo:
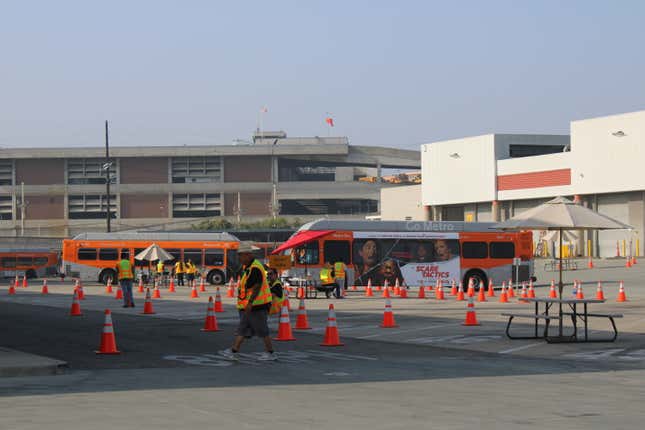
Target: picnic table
[573,311]
[307,284]
[567,264]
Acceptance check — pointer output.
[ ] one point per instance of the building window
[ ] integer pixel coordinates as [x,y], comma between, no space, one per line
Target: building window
[194,170]
[90,206]
[6,172]
[517,151]
[328,206]
[196,205]
[6,207]
[88,171]
[303,171]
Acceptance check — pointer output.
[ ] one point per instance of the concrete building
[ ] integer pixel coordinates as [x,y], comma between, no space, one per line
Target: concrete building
[494,177]
[65,188]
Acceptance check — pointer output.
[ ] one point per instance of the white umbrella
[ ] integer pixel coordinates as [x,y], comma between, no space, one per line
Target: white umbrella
[154,252]
[561,214]
[554,235]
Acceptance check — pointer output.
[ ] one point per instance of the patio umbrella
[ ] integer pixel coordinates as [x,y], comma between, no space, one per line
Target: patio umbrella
[154,252]
[561,214]
[554,235]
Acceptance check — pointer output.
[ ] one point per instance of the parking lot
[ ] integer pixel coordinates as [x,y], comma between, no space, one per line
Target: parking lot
[429,359]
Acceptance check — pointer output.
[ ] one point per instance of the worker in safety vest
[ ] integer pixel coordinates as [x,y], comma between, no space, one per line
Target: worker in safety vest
[190,272]
[341,278]
[277,291]
[180,269]
[327,279]
[126,275]
[253,303]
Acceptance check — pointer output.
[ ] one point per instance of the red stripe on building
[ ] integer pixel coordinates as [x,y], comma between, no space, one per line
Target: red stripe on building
[547,178]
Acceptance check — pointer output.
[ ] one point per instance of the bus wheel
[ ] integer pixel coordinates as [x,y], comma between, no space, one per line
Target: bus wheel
[106,274]
[31,274]
[477,276]
[215,277]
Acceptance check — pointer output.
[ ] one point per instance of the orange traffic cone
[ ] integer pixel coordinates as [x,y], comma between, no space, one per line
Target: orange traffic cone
[471,316]
[156,294]
[286,299]
[511,290]
[75,311]
[301,320]
[422,293]
[453,288]
[403,293]
[633,260]
[354,288]
[531,292]
[147,306]
[331,332]
[16,282]
[202,286]
[79,287]
[580,294]
[210,324]
[524,295]
[481,295]
[24,282]
[44,290]
[590,263]
[218,301]
[141,289]
[369,283]
[388,316]
[12,288]
[460,292]
[397,287]
[171,286]
[628,263]
[386,292]
[300,293]
[621,293]
[108,341]
[368,291]
[119,294]
[108,287]
[599,293]
[553,294]
[231,289]
[385,285]
[439,292]
[193,292]
[284,328]
[471,288]
[491,289]
[503,297]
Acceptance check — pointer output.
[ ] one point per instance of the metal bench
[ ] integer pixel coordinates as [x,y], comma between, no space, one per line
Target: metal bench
[567,264]
[610,317]
[547,319]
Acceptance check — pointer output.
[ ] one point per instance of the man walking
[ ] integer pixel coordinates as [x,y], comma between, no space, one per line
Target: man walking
[253,303]
[124,269]
[179,272]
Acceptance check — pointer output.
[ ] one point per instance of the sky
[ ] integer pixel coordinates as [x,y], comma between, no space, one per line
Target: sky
[390,73]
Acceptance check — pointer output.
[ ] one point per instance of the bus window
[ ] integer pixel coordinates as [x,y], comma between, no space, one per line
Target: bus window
[40,261]
[336,250]
[474,250]
[110,254]
[194,255]
[24,261]
[232,261]
[9,262]
[175,252]
[87,253]
[502,250]
[213,257]
[308,253]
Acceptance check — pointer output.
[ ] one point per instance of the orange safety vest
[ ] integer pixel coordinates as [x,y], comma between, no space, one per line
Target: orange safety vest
[339,269]
[125,270]
[325,276]
[244,294]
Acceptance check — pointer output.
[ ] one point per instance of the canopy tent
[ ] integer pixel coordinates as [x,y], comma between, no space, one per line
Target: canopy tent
[154,252]
[300,238]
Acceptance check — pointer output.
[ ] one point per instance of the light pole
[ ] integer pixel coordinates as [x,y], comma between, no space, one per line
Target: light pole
[106,167]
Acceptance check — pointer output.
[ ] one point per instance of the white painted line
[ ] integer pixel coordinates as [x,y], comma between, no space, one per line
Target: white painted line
[520,348]
[389,332]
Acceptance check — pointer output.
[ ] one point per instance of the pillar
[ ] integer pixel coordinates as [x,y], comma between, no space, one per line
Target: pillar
[427,213]
[494,208]
[581,244]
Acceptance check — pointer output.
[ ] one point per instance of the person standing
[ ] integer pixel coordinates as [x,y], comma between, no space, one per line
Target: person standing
[190,272]
[276,291]
[341,278]
[124,270]
[179,272]
[253,304]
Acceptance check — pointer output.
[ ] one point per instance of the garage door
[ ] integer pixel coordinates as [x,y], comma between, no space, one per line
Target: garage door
[617,207]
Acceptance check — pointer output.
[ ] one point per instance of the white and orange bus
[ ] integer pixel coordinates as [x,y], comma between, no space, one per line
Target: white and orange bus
[30,262]
[414,252]
[93,256]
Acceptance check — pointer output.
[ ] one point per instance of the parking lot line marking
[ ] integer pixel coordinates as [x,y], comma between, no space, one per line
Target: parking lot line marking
[406,331]
[519,348]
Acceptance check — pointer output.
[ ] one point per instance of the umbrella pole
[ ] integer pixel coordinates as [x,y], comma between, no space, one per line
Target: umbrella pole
[560,285]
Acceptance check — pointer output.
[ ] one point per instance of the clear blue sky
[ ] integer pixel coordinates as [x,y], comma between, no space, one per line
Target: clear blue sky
[393,73]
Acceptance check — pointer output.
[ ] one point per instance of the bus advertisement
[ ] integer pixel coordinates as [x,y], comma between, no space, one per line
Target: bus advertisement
[414,253]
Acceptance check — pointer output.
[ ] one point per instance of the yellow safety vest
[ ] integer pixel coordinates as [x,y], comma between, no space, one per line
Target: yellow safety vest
[160,267]
[325,276]
[179,267]
[276,302]
[244,294]
[190,268]
[339,269]
[125,270]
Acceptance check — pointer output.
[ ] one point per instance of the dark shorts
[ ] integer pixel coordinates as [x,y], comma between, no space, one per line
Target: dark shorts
[254,323]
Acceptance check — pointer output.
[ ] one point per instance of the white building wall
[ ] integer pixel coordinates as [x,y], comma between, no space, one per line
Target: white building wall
[459,171]
[538,163]
[401,203]
[604,162]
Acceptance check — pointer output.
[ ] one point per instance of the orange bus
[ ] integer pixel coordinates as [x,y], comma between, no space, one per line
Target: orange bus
[93,256]
[414,252]
[32,262]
